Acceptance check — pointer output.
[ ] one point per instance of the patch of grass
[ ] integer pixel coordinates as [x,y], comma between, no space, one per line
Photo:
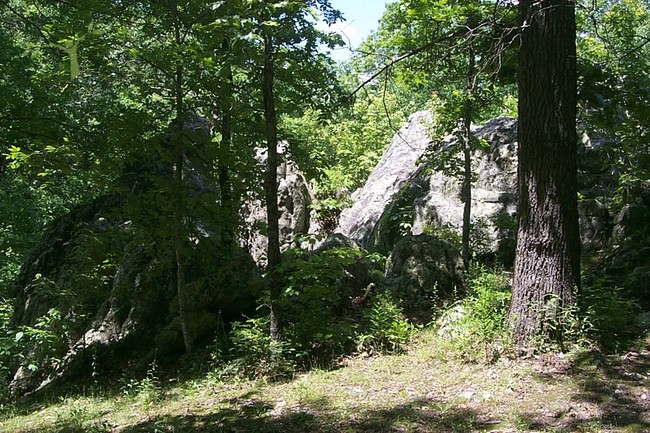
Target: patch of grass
[426,389]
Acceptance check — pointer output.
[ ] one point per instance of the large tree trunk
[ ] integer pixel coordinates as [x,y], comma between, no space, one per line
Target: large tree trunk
[271,186]
[547,264]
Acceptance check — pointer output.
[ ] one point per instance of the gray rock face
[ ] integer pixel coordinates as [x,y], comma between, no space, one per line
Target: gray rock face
[393,170]
[595,224]
[437,201]
[104,275]
[296,217]
[116,297]
[402,197]
[627,261]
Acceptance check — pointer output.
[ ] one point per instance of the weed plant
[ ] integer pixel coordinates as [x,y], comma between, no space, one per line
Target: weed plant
[147,390]
[602,318]
[387,331]
[476,326]
[610,314]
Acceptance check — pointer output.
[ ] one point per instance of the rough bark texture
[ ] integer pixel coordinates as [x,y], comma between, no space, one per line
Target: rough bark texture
[271,184]
[547,266]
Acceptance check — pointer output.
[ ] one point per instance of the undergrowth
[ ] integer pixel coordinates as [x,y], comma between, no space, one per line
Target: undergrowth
[325,313]
[475,328]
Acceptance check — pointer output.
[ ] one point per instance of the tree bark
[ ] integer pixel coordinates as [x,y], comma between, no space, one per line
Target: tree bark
[547,264]
[467,156]
[224,154]
[179,208]
[271,186]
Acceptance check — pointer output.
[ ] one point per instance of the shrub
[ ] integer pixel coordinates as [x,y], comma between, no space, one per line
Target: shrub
[319,317]
[321,310]
[43,341]
[387,331]
[610,314]
[253,354]
[10,346]
[479,321]
[601,317]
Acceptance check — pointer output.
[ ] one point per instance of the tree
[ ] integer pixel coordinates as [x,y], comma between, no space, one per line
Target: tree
[453,50]
[547,263]
[271,182]
[614,88]
[288,36]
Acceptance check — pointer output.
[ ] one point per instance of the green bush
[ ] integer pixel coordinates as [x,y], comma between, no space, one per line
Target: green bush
[564,327]
[488,301]
[610,314]
[321,313]
[600,318]
[10,346]
[254,354]
[479,321]
[387,331]
[318,315]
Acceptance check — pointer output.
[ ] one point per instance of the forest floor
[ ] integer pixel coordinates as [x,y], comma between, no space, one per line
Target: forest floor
[425,390]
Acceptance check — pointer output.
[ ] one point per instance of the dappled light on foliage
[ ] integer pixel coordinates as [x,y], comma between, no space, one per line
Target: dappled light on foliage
[209,225]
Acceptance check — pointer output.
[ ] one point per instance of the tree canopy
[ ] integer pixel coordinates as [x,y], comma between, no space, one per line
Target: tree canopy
[168,118]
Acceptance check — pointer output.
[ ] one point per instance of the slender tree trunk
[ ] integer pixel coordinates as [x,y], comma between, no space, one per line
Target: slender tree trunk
[271,186]
[225,185]
[467,155]
[179,210]
[547,264]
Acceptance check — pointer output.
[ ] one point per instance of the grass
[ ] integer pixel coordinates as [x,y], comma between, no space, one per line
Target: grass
[424,390]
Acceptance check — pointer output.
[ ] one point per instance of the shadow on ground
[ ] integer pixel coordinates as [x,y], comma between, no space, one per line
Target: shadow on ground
[609,394]
[613,395]
[256,416]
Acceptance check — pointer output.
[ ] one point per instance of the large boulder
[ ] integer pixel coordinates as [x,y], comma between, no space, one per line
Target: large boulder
[424,272]
[405,196]
[97,285]
[296,218]
[395,169]
[627,259]
[100,289]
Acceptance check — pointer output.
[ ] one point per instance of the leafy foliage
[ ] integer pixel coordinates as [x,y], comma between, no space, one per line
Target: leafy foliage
[387,330]
[614,58]
[339,153]
[609,315]
[479,320]
[325,317]
[253,354]
[10,346]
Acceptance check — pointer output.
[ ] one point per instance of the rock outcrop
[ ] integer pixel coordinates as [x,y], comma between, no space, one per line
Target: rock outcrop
[394,170]
[404,196]
[115,297]
[102,280]
[297,219]
[424,272]
[107,269]
[101,285]
[627,258]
